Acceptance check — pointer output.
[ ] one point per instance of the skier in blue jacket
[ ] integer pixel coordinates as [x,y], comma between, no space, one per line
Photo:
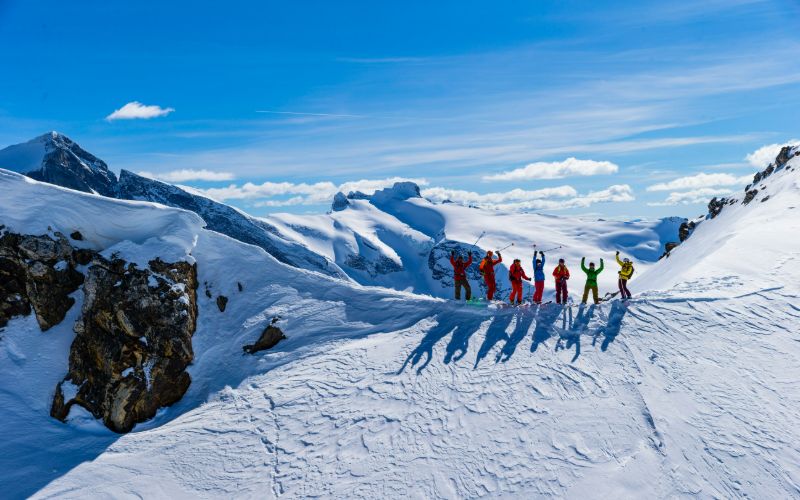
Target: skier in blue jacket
[538,277]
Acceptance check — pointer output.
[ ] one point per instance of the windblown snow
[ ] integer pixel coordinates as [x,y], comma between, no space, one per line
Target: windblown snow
[689,389]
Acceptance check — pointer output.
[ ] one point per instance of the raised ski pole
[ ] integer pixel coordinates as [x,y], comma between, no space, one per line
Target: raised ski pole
[550,250]
[483,233]
[507,246]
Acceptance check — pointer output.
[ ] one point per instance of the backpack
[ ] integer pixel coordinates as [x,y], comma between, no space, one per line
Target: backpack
[632,269]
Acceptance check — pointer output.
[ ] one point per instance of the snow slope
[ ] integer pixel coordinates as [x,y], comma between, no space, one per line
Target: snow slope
[400,240]
[689,390]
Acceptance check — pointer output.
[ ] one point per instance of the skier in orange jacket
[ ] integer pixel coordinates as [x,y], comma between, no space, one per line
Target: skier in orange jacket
[516,274]
[561,274]
[487,269]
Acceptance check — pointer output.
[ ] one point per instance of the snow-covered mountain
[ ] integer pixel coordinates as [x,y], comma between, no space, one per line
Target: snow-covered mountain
[226,220]
[396,238]
[688,390]
[56,159]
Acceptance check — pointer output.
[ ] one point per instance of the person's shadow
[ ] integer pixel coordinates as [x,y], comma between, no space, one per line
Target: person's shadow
[494,334]
[571,336]
[461,326]
[524,321]
[546,317]
[612,327]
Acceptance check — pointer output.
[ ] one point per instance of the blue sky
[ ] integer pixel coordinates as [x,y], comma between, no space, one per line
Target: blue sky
[273,106]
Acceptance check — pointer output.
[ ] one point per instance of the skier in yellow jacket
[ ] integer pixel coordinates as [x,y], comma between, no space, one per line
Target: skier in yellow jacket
[625,274]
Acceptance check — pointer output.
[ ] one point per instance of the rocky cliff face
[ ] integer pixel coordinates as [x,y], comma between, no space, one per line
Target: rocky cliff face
[39,273]
[133,343]
[134,335]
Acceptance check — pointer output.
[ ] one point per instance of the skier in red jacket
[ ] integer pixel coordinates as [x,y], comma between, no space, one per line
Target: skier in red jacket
[487,269]
[561,274]
[516,274]
[460,274]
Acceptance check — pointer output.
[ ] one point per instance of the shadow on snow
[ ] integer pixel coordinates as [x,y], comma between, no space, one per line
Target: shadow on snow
[511,326]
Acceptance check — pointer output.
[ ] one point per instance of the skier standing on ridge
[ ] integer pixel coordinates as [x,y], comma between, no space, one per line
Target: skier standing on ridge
[624,275]
[561,274]
[487,269]
[460,274]
[591,279]
[516,274]
[538,277]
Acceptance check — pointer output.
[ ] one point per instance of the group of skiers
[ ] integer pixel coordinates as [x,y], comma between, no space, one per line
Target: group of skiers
[516,274]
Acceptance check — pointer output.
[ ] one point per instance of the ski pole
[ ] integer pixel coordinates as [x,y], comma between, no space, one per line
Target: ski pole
[507,246]
[550,250]
[479,239]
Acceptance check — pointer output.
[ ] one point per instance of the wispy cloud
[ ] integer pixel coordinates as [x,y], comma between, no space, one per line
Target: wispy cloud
[136,110]
[380,60]
[571,167]
[185,175]
[302,113]
[301,193]
[558,198]
[701,180]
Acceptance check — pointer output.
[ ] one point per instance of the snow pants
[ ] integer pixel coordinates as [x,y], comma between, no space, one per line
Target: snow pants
[538,291]
[516,291]
[491,286]
[467,289]
[586,293]
[623,289]
[561,292]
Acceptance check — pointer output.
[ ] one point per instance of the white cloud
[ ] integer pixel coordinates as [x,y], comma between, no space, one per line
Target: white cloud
[439,194]
[302,193]
[184,175]
[559,198]
[701,181]
[571,167]
[697,196]
[763,156]
[135,109]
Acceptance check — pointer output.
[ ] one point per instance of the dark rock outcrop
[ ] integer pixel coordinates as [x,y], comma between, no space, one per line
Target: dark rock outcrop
[715,206]
[269,338]
[749,196]
[686,229]
[39,273]
[340,202]
[133,342]
[222,302]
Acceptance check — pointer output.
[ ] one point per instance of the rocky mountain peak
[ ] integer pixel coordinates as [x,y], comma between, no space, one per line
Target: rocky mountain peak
[57,159]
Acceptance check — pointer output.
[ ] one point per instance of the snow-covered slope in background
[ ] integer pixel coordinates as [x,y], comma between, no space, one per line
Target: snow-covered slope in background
[400,240]
[748,246]
[689,390]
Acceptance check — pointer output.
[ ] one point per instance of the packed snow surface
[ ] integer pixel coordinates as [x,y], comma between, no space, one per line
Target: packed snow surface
[689,389]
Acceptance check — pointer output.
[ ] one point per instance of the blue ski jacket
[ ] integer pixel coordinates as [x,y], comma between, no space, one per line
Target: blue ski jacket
[538,271]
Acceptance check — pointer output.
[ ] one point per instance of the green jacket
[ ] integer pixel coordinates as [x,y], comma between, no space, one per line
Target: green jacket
[591,275]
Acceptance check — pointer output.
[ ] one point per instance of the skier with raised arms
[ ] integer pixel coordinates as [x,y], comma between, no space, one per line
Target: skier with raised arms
[538,277]
[625,274]
[516,274]
[460,274]
[487,270]
[591,279]
[561,275]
